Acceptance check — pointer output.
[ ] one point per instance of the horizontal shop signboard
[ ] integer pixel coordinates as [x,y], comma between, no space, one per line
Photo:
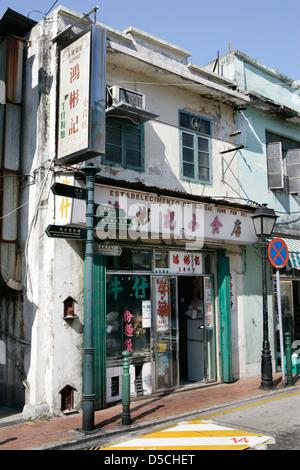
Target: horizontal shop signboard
[157,217]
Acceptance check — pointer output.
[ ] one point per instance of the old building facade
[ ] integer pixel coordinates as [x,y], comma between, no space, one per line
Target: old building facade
[177,294]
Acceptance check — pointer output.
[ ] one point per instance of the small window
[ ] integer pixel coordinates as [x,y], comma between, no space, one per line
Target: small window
[195,148]
[161,259]
[283,163]
[195,123]
[124,144]
[195,154]
[129,260]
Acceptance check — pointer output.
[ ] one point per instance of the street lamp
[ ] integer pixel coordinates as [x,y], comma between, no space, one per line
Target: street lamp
[264,220]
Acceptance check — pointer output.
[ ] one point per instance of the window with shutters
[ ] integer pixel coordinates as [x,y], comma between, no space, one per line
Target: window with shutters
[124,144]
[195,148]
[283,163]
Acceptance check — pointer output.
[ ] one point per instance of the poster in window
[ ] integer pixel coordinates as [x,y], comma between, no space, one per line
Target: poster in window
[146,313]
[208,303]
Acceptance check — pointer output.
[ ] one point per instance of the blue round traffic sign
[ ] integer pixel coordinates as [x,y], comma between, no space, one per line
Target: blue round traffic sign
[278,253]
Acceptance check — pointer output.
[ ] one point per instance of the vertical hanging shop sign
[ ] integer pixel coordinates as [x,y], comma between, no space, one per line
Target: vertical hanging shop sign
[208,303]
[81,97]
[163,306]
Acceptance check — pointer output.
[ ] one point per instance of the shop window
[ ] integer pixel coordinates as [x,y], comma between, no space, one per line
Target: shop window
[130,260]
[126,296]
[141,260]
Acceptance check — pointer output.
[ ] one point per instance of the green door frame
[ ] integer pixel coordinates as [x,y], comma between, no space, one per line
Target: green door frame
[225,316]
[99,330]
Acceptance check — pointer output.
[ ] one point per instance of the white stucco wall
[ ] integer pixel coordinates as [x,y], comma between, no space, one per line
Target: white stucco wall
[53,269]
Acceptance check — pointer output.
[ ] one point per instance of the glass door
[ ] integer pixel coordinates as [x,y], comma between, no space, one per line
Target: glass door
[210,343]
[165,333]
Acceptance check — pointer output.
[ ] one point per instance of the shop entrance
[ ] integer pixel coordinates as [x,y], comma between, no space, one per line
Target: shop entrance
[290,307]
[191,329]
[184,339]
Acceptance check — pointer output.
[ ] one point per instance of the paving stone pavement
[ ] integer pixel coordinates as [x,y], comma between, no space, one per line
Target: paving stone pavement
[51,433]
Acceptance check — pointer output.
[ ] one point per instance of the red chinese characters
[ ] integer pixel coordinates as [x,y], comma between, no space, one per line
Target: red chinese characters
[197,260]
[74,98]
[163,306]
[216,224]
[186,260]
[128,331]
[176,259]
[74,73]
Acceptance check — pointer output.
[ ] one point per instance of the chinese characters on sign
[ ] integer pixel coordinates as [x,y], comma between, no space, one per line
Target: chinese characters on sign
[163,306]
[208,303]
[74,96]
[63,204]
[216,225]
[146,313]
[185,262]
[128,331]
[81,97]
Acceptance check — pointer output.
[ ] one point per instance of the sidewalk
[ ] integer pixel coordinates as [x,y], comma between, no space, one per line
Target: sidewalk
[42,434]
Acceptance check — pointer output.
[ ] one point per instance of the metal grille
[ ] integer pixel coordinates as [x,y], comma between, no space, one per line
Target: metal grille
[115,386]
[138,381]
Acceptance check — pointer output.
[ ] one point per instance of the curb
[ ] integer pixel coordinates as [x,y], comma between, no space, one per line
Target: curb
[94,436]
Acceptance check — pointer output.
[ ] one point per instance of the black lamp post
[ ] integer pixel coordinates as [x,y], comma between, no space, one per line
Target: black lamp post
[264,220]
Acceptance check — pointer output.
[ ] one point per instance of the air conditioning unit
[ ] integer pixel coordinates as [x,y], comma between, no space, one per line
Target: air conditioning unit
[118,95]
[125,103]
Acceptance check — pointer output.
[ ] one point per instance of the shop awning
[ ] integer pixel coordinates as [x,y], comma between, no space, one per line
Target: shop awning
[293,245]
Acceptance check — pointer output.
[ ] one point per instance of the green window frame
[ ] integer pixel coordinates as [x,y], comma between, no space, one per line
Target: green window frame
[195,148]
[124,144]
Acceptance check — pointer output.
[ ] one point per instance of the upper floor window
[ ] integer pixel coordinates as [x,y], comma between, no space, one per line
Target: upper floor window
[124,144]
[283,163]
[195,149]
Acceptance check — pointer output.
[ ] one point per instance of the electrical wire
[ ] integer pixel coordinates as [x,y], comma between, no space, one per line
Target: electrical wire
[15,210]
[51,7]
[42,12]
[34,219]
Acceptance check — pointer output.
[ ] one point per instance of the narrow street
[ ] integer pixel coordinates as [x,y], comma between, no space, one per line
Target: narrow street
[278,417]
[267,424]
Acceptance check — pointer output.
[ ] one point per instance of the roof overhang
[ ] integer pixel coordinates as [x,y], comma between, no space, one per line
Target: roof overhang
[15,23]
[267,105]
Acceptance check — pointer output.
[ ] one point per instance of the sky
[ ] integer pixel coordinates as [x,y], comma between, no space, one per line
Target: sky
[266,30]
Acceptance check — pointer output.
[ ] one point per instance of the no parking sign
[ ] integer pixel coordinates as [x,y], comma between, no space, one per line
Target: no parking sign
[278,253]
